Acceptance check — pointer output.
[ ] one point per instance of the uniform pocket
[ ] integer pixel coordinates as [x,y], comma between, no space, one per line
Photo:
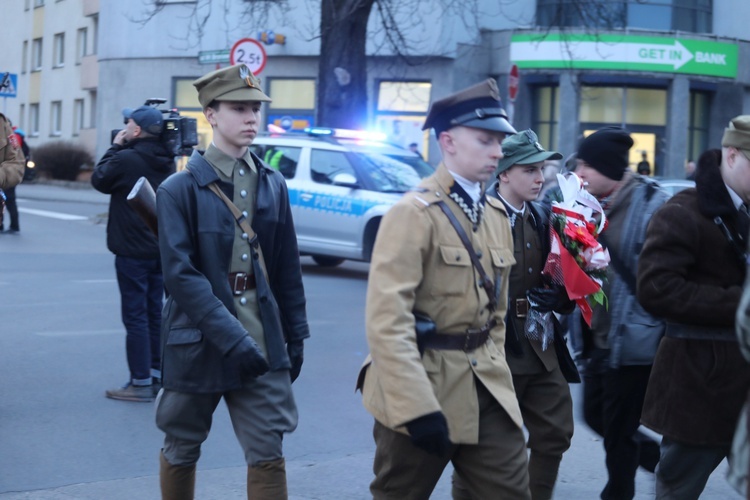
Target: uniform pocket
[455,274]
[502,258]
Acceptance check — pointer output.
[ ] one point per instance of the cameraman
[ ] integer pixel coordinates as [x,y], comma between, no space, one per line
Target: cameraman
[137,151]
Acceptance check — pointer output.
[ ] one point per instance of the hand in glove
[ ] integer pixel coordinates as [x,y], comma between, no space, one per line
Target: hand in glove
[249,358]
[296,356]
[549,298]
[430,433]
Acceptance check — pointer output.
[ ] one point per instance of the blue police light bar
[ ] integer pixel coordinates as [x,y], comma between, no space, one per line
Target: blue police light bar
[342,133]
[319,131]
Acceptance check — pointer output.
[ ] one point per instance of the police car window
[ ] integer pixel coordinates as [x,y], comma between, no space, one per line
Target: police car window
[282,158]
[324,165]
[389,174]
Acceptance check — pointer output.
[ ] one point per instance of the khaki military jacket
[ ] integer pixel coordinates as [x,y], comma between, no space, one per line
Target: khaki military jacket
[12,160]
[419,263]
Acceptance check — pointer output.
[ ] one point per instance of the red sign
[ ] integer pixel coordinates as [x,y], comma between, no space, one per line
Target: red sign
[250,53]
[514,78]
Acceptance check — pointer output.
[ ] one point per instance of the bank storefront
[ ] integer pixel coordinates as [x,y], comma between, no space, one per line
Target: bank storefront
[675,95]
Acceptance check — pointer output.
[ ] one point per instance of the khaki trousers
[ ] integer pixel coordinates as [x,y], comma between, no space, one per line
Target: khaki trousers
[496,467]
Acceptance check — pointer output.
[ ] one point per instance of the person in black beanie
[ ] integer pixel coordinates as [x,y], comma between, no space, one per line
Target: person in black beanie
[618,354]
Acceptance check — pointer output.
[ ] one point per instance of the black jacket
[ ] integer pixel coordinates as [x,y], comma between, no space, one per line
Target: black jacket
[116,174]
[196,233]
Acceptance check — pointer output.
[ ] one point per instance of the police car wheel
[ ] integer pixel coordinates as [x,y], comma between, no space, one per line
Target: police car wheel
[324,261]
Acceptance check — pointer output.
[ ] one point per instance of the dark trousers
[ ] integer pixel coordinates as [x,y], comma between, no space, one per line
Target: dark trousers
[141,293]
[11,208]
[612,405]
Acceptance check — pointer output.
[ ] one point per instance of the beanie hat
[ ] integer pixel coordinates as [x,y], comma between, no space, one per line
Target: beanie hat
[606,151]
[737,135]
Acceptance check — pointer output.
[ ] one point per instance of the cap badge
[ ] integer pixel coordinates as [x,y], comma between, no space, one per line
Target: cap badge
[539,147]
[245,75]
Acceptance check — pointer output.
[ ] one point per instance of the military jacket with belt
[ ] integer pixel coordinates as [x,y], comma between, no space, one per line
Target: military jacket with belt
[530,249]
[419,263]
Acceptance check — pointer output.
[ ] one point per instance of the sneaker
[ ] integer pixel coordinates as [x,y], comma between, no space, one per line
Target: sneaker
[130,392]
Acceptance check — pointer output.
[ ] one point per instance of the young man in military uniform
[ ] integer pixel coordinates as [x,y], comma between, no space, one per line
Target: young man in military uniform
[234,321]
[446,396]
[541,386]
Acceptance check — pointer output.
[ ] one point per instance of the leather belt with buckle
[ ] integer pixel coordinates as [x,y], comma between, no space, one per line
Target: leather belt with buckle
[521,308]
[467,341]
[240,282]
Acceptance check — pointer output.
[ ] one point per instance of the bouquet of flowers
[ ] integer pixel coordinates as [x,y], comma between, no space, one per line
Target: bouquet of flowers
[576,260]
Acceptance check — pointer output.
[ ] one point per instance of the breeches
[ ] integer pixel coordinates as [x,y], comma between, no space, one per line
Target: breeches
[261,412]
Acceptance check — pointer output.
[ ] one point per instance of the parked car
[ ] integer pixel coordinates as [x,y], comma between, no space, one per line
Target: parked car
[674,186]
[341,183]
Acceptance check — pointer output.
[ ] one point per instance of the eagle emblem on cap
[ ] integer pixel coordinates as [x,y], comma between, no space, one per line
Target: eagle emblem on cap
[247,76]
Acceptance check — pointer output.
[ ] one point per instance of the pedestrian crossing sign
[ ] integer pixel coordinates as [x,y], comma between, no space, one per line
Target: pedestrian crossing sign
[8,84]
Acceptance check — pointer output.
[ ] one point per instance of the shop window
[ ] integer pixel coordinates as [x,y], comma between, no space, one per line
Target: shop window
[646,106]
[698,128]
[293,105]
[546,112]
[401,111]
[602,105]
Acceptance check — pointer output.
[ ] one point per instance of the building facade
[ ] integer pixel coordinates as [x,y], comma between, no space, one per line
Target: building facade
[670,71]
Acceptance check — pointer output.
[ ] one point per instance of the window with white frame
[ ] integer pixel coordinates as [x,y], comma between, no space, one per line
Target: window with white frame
[94,34]
[59,52]
[22,117]
[92,109]
[77,116]
[34,119]
[55,118]
[36,54]
[38,3]
[25,56]
[81,38]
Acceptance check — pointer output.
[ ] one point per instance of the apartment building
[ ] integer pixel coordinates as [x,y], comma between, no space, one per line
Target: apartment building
[668,70]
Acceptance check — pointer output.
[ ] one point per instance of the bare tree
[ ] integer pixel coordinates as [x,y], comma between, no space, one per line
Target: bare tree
[343,33]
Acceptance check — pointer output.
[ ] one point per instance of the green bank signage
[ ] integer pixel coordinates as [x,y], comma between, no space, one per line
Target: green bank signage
[625,52]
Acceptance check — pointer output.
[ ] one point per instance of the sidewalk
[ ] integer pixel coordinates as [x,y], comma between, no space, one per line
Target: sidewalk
[66,191]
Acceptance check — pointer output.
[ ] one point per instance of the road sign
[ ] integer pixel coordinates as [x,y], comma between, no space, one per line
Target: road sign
[513,80]
[625,52]
[213,56]
[250,52]
[8,84]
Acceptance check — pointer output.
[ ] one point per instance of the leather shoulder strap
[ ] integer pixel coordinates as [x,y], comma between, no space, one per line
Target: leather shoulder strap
[241,219]
[487,284]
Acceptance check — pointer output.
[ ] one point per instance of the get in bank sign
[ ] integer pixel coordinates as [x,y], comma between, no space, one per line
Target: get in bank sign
[625,52]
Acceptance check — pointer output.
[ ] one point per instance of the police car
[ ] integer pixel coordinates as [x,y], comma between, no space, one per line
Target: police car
[340,183]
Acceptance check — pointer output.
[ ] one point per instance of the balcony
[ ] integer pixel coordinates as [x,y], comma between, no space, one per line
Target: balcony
[90,7]
[89,72]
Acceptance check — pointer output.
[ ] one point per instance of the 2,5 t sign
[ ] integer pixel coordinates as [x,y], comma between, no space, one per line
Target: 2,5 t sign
[249,52]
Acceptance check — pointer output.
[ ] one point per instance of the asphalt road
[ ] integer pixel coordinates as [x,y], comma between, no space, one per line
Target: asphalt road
[62,346]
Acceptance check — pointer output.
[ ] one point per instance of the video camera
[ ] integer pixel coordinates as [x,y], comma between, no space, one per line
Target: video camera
[179,133]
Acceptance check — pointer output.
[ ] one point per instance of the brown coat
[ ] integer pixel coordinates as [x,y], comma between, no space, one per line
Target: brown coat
[691,274]
[12,161]
[420,264]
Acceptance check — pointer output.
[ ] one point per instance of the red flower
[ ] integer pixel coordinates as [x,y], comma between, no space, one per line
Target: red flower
[579,234]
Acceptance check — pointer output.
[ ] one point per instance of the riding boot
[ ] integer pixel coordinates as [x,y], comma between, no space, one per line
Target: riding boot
[543,475]
[177,482]
[267,481]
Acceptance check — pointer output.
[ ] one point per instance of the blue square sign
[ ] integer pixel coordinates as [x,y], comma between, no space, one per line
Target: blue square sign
[8,84]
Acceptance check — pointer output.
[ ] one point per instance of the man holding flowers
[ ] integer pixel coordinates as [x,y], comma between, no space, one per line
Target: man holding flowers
[621,342]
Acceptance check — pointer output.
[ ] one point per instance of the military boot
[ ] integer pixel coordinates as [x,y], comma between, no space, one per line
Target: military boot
[177,482]
[267,481]
[542,475]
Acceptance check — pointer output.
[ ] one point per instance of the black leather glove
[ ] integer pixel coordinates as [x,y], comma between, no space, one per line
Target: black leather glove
[549,298]
[430,433]
[296,357]
[249,358]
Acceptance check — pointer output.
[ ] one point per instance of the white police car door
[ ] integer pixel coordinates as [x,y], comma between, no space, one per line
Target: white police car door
[328,216]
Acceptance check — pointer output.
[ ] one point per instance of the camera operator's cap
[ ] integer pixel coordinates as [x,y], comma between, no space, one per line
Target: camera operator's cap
[523,148]
[235,83]
[478,106]
[737,134]
[148,118]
